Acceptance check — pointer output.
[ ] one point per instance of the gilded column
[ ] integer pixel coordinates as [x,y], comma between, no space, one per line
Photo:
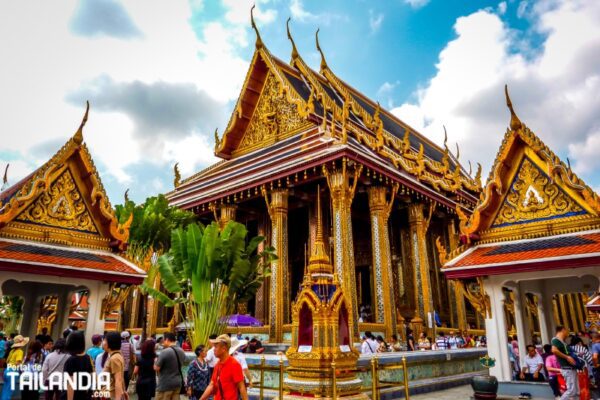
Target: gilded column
[459,298]
[227,214]
[261,295]
[380,208]
[279,301]
[418,225]
[342,193]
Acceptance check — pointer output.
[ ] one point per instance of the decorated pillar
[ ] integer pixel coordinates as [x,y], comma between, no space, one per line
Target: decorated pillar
[380,208]
[262,295]
[277,206]
[418,225]
[227,214]
[342,189]
[455,292]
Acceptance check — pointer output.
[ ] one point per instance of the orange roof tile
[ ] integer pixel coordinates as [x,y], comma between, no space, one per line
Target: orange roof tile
[46,259]
[522,254]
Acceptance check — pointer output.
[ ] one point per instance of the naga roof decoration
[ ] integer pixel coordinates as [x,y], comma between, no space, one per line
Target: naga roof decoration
[63,202]
[280,100]
[530,193]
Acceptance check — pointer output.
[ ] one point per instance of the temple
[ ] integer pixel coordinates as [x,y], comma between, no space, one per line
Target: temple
[389,192]
[61,246]
[529,257]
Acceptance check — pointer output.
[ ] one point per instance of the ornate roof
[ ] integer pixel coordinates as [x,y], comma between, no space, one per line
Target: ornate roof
[569,250]
[280,100]
[534,213]
[63,202]
[50,259]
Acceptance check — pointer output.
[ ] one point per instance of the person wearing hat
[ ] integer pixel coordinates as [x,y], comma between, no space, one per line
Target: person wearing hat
[227,381]
[236,351]
[14,360]
[128,354]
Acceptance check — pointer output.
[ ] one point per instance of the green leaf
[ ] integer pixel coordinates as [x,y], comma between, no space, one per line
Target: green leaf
[167,277]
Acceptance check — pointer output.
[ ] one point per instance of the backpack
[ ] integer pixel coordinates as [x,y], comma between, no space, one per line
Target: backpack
[579,363]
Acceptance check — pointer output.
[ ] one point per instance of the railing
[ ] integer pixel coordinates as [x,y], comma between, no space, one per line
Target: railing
[376,383]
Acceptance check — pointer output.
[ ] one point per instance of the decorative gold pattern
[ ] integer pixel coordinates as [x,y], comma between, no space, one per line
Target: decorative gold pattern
[75,156]
[559,190]
[61,205]
[342,192]
[114,298]
[47,314]
[474,292]
[273,118]
[534,196]
[323,297]
[277,207]
[418,226]
[380,209]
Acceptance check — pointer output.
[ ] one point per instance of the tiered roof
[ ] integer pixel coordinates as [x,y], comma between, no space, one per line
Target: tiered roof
[58,221]
[320,117]
[534,213]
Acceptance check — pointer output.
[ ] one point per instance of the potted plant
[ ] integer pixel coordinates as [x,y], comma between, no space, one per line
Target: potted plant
[485,386]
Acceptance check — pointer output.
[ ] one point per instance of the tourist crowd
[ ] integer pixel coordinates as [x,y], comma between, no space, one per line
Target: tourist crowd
[570,363]
[148,369]
[377,344]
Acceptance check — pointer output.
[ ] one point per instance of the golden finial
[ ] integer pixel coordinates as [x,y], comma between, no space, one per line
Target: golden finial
[470,168]
[457,151]
[5,178]
[126,195]
[78,137]
[289,34]
[259,42]
[217,140]
[323,62]
[478,175]
[515,122]
[177,180]
[406,141]
[445,137]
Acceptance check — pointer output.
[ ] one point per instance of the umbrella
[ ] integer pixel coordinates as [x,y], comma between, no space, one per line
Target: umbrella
[242,320]
[184,326]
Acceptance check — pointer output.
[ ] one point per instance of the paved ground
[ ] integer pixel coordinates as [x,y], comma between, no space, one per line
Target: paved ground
[457,393]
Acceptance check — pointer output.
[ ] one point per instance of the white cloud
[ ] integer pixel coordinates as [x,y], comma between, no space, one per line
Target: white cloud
[375,21]
[555,94]
[44,59]
[522,9]
[239,12]
[502,8]
[385,93]
[299,13]
[416,3]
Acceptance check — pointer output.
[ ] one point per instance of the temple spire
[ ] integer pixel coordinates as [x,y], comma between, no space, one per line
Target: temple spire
[319,259]
[515,122]
[323,62]
[289,35]
[259,42]
[78,137]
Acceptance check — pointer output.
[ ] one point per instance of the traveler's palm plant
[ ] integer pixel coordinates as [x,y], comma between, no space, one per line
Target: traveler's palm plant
[209,271]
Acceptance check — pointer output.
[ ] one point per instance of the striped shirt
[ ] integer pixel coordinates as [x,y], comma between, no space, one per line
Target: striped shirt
[442,343]
[126,350]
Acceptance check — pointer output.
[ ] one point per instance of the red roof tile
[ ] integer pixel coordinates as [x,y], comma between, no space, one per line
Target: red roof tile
[521,255]
[48,259]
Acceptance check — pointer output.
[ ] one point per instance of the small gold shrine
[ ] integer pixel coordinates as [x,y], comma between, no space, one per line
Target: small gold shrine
[321,332]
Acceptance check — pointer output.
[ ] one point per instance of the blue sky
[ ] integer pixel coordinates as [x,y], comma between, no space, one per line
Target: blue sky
[161,76]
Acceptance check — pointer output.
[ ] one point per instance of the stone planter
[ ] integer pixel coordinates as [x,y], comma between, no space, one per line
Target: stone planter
[485,387]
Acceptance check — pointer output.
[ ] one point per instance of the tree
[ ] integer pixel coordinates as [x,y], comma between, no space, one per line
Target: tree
[208,271]
[11,311]
[150,232]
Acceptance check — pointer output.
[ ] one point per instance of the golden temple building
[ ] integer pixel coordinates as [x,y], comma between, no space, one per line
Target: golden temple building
[529,258]
[62,246]
[389,192]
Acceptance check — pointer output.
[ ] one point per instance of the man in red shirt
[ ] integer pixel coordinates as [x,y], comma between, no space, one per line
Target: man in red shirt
[227,381]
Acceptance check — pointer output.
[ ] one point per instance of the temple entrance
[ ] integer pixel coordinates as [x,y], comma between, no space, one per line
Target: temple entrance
[364,287]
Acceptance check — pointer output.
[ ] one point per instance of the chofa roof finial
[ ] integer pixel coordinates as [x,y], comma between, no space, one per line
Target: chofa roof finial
[515,122]
[78,137]
[259,42]
[323,62]
[289,35]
